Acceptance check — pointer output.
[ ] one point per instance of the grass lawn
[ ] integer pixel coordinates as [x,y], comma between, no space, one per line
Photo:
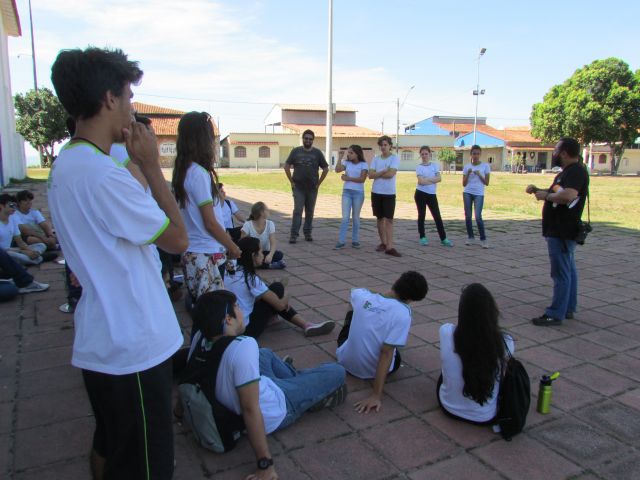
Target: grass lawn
[613,199]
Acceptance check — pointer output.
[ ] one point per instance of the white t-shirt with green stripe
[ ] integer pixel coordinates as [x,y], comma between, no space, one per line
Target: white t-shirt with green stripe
[197,185]
[240,365]
[377,320]
[124,322]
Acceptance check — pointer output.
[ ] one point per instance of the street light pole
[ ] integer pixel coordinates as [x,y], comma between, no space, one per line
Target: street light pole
[477,92]
[398,108]
[329,128]
[33,51]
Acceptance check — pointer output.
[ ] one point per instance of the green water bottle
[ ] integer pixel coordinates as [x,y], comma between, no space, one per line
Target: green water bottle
[544,392]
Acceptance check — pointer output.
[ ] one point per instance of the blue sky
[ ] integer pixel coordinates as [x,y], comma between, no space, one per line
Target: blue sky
[236,58]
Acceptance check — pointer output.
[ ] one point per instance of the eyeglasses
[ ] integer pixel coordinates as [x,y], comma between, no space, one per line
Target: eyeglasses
[12,205]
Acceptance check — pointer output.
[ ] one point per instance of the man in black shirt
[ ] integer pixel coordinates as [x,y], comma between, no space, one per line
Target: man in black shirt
[563,205]
[306,161]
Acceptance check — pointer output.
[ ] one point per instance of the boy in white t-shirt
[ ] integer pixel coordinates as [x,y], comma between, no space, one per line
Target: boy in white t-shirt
[475,176]
[374,329]
[10,233]
[33,226]
[269,393]
[125,327]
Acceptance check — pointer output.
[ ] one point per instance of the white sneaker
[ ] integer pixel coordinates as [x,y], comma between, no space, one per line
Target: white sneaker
[34,287]
[469,241]
[485,244]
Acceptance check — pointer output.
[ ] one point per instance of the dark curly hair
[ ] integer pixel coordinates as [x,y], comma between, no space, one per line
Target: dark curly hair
[479,342]
[411,286]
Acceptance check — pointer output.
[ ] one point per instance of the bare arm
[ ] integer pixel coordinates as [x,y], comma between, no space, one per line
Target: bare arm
[561,196]
[323,175]
[429,180]
[339,166]
[374,401]
[273,243]
[24,248]
[239,216]
[389,173]
[143,150]
[287,171]
[361,179]
[465,178]
[253,420]
[217,231]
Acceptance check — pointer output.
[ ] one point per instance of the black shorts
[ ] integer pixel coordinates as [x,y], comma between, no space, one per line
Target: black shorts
[134,427]
[383,206]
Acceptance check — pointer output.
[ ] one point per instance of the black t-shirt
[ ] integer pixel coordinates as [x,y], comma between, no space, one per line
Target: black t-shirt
[561,221]
[305,165]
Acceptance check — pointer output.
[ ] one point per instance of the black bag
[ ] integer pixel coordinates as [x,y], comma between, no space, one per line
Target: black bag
[214,426]
[514,398]
[584,228]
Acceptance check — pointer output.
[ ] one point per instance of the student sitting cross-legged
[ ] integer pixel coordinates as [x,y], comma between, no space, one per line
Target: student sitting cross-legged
[253,382]
[472,354]
[374,329]
[260,303]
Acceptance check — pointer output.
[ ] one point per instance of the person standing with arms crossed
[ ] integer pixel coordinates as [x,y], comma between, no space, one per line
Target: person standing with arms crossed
[306,161]
[125,327]
[475,176]
[383,194]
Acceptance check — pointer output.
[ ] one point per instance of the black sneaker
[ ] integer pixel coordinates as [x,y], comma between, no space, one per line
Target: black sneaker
[292,239]
[546,321]
[332,400]
[308,237]
[569,316]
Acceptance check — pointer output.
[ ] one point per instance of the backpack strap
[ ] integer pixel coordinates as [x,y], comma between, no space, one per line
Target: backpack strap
[202,367]
[226,200]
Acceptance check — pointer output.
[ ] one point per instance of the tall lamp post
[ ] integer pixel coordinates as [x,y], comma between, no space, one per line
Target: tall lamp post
[330,112]
[477,92]
[398,108]
[33,51]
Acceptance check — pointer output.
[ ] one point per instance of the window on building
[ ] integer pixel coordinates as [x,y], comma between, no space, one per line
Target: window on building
[264,152]
[490,159]
[225,151]
[240,152]
[406,156]
[602,158]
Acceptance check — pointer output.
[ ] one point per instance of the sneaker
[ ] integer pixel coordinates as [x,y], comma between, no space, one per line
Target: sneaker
[279,265]
[393,252]
[355,244]
[446,243]
[339,246]
[469,241]
[381,248]
[569,316]
[288,359]
[424,242]
[293,239]
[333,400]
[34,287]
[308,237]
[67,308]
[485,244]
[49,256]
[546,321]
[321,328]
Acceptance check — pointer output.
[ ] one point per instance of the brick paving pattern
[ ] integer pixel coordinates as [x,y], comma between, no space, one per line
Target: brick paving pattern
[593,430]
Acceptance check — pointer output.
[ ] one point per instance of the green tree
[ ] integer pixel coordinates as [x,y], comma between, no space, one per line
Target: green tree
[447,156]
[599,103]
[41,120]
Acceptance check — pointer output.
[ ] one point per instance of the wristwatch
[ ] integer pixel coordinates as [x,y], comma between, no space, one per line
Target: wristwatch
[264,463]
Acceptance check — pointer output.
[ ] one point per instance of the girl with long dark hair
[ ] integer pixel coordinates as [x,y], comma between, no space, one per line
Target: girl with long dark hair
[473,355]
[260,303]
[194,185]
[355,170]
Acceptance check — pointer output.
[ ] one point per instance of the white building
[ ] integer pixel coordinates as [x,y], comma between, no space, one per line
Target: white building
[12,159]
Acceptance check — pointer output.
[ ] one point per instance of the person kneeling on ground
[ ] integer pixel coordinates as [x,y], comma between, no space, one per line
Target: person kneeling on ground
[472,354]
[373,331]
[260,303]
[269,393]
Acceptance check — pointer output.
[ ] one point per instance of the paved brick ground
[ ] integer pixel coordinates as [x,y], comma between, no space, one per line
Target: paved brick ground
[593,430]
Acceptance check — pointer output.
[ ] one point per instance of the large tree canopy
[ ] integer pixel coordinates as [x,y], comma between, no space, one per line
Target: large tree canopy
[40,119]
[599,103]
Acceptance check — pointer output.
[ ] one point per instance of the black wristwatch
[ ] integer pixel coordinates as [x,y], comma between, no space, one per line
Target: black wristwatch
[264,463]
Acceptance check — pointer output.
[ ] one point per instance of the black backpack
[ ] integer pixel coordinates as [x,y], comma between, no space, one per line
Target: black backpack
[514,398]
[214,426]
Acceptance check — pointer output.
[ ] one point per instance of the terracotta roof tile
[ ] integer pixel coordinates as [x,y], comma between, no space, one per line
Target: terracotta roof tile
[147,109]
[345,131]
[165,126]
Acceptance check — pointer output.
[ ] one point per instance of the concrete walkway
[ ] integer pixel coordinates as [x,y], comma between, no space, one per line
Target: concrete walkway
[593,430]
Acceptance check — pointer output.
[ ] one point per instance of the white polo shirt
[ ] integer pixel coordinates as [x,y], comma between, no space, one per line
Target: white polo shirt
[377,320]
[247,295]
[384,186]
[124,322]
[197,184]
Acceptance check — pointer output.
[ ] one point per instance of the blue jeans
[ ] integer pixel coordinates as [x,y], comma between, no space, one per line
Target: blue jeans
[302,388]
[8,291]
[23,259]
[470,202]
[564,275]
[352,201]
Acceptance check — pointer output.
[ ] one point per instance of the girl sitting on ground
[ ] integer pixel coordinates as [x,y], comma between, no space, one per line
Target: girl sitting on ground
[259,226]
[259,303]
[472,354]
